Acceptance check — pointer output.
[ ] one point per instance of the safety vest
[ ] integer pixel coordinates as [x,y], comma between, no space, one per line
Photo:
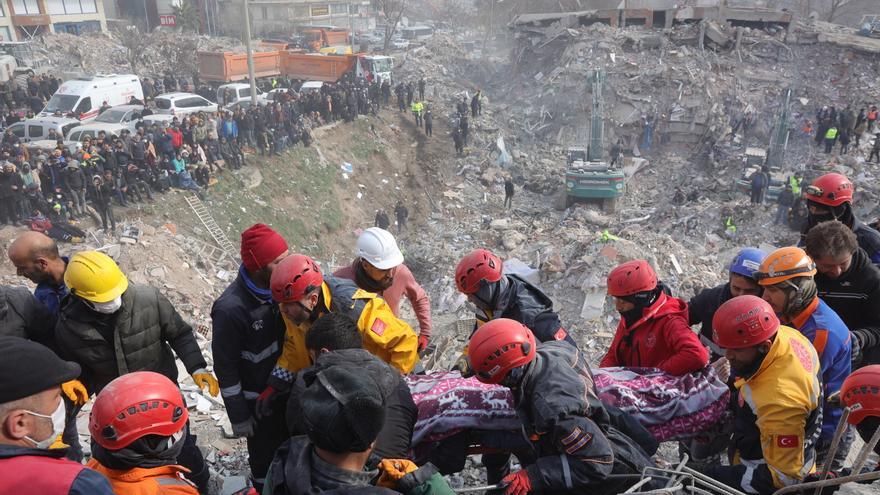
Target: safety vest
[832,133]
[729,225]
[795,186]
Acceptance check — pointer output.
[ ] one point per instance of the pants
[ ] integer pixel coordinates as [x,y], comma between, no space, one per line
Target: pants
[429,129]
[269,433]
[106,213]
[191,458]
[418,119]
[829,144]
[875,152]
[757,195]
[508,200]
[781,214]
[8,210]
[79,201]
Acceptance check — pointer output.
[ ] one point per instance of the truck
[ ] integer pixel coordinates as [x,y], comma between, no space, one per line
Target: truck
[226,67]
[756,158]
[326,39]
[331,68]
[588,175]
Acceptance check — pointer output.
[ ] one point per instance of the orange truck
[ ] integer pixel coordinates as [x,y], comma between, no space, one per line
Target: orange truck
[225,67]
[324,38]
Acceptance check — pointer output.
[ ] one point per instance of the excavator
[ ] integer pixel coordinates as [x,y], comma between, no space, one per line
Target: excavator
[588,176]
[773,157]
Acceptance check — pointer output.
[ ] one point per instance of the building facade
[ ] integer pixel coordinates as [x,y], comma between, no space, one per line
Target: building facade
[279,17]
[21,20]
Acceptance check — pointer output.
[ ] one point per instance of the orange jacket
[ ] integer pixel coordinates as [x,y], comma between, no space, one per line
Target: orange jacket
[164,480]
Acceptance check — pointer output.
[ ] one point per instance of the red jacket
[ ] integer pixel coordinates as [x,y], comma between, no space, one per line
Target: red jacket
[660,339]
[176,138]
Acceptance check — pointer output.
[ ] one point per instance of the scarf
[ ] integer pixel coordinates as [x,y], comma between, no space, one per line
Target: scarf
[264,295]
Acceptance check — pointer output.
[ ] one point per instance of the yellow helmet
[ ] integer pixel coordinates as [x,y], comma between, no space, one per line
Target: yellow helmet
[94,276]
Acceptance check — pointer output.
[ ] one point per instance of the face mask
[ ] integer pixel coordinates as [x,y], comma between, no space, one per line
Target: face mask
[57,417]
[107,308]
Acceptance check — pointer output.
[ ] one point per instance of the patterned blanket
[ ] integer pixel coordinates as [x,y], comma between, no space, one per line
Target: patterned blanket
[670,407]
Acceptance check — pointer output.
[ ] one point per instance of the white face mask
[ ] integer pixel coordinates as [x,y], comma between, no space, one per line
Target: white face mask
[57,418]
[107,308]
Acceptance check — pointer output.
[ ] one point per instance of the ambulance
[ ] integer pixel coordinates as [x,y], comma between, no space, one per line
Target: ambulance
[81,98]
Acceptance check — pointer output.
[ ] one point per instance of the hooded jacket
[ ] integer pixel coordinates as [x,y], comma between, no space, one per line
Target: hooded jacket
[661,338]
[701,310]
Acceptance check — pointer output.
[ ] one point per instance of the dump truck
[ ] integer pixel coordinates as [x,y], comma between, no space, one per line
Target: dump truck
[755,158]
[225,67]
[588,175]
[326,39]
[331,68]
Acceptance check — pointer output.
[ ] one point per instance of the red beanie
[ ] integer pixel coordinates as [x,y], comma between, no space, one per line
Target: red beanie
[260,245]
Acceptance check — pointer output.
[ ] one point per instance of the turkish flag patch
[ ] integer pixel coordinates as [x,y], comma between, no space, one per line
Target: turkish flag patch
[787,441]
[378,327]
[560,334]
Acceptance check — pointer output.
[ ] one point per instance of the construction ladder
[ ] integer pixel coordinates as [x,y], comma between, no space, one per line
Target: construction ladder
[208,221]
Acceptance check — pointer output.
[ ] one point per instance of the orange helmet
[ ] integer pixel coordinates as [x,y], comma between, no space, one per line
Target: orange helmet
[785,264]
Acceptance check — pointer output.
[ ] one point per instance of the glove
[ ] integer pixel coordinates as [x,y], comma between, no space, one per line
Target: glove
[392,470]
[204,379]
[58,444]
[245,428]
[264,402]
[463,365]
[76,392]
[517,483]
[856,348]
[817,477]
[423,342]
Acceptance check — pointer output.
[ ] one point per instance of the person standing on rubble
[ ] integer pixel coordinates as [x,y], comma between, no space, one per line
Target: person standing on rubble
[776,401]
[508,192]
[875,149]
[401,213]
[787,278]
[476,104]
[830,138]
[850,284]
[382,220]
[783,205]
[248,332]
[378,268]
[463,126]
[458,141]
[429,122]
[653,331]
[417,112]
[760,181]
[422,84]
[110,327]
[574,445]
[830,197]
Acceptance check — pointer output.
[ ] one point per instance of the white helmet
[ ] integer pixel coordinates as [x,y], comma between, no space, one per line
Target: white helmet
[379,248]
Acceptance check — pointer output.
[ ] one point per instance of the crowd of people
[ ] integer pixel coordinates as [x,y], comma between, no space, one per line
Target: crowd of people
[314,369]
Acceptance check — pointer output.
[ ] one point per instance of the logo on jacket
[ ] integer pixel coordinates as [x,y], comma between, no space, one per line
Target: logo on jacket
[651,340]
[787,441]
[257,325]
[803,355]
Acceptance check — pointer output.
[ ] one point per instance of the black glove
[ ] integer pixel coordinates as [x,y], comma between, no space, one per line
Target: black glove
[817,477]
[857,341]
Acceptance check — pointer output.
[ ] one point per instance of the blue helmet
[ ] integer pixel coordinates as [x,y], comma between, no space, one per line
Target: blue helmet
[747,262]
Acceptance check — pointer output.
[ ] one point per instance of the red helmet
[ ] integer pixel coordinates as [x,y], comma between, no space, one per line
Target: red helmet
[742,322]
[830,190]
[477,266]
[135,405]
[293,278]
[631,278]
[498,347]
[861,392]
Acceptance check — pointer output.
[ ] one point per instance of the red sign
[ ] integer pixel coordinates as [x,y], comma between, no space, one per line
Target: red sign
[167,20]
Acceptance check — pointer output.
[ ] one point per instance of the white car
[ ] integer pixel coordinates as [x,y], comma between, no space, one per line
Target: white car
[399,43]
[183,104]
[112,121]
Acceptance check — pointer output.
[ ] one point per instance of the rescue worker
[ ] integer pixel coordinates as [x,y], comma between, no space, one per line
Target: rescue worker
[343,410]
[777,418]
[36,258]
[110,328]
[333,340]
[247,339]
[574,446]
[138,451]
[32,416]
[740,282]
[653,331]
[850,284]
[303,295]
[861,393]
[787,277]
[378,267]
[479,276]
[830,198]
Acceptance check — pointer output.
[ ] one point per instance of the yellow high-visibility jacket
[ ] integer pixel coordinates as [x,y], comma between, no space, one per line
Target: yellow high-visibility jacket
[385,336]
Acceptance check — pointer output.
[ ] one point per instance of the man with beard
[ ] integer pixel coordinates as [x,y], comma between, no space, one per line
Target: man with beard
[830,198]
[36,258]
[248,333]
[653,331]
[378,267]
[777,418]
[303,295]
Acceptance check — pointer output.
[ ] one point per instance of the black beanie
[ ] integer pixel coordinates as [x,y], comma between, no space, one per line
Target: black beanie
[28,368]
[343,409]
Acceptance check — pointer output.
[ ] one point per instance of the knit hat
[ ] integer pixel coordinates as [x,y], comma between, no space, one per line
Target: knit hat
[29,368]
[342,408]
[260,245]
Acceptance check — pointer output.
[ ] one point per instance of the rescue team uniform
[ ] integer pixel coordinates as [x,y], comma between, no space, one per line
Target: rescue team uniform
[390,339]
[777,418]
[162,480]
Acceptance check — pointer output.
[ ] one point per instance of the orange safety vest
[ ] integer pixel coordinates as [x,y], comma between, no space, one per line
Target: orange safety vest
[163,480]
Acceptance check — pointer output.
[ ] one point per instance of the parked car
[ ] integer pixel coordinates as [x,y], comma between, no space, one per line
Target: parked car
[38,128]
[112,121]
[182,104]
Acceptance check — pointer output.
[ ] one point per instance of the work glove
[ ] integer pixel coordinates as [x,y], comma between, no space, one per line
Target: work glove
[76,392]
[204,379]
[264,402]
[423,342]
[392,470]
[58,444]
[245,428]
[722,368]
[828,490]
[517,483]
[463,365]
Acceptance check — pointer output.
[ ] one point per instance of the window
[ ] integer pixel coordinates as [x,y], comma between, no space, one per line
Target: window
[25,7]
[192,102]
[84,106]
[35,131]
[265,12]
[61,7]
[338,8]
[88,6]
[3,12]
[55,7]
[17,129]
[162,103]
[67,128]
[5,35]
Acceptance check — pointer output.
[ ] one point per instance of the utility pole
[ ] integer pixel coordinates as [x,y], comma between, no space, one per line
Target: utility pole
[250,53]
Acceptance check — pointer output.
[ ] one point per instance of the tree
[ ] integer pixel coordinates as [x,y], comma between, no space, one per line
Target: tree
[836,4]
[186,16]
[393,11]
[134,42]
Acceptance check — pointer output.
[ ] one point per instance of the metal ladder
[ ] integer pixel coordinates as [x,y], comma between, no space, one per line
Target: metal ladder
[208,221]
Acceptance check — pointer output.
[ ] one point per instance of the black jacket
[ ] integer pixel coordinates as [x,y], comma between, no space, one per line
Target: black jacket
[74,178]
[527,304]
[567,425]
[401,412]
[855,297]
[22,315]
[248,335]
[142,335]
[701,309]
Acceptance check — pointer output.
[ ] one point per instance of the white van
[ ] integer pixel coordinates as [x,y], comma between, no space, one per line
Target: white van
[37,128]
[83,97]
[229,94]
